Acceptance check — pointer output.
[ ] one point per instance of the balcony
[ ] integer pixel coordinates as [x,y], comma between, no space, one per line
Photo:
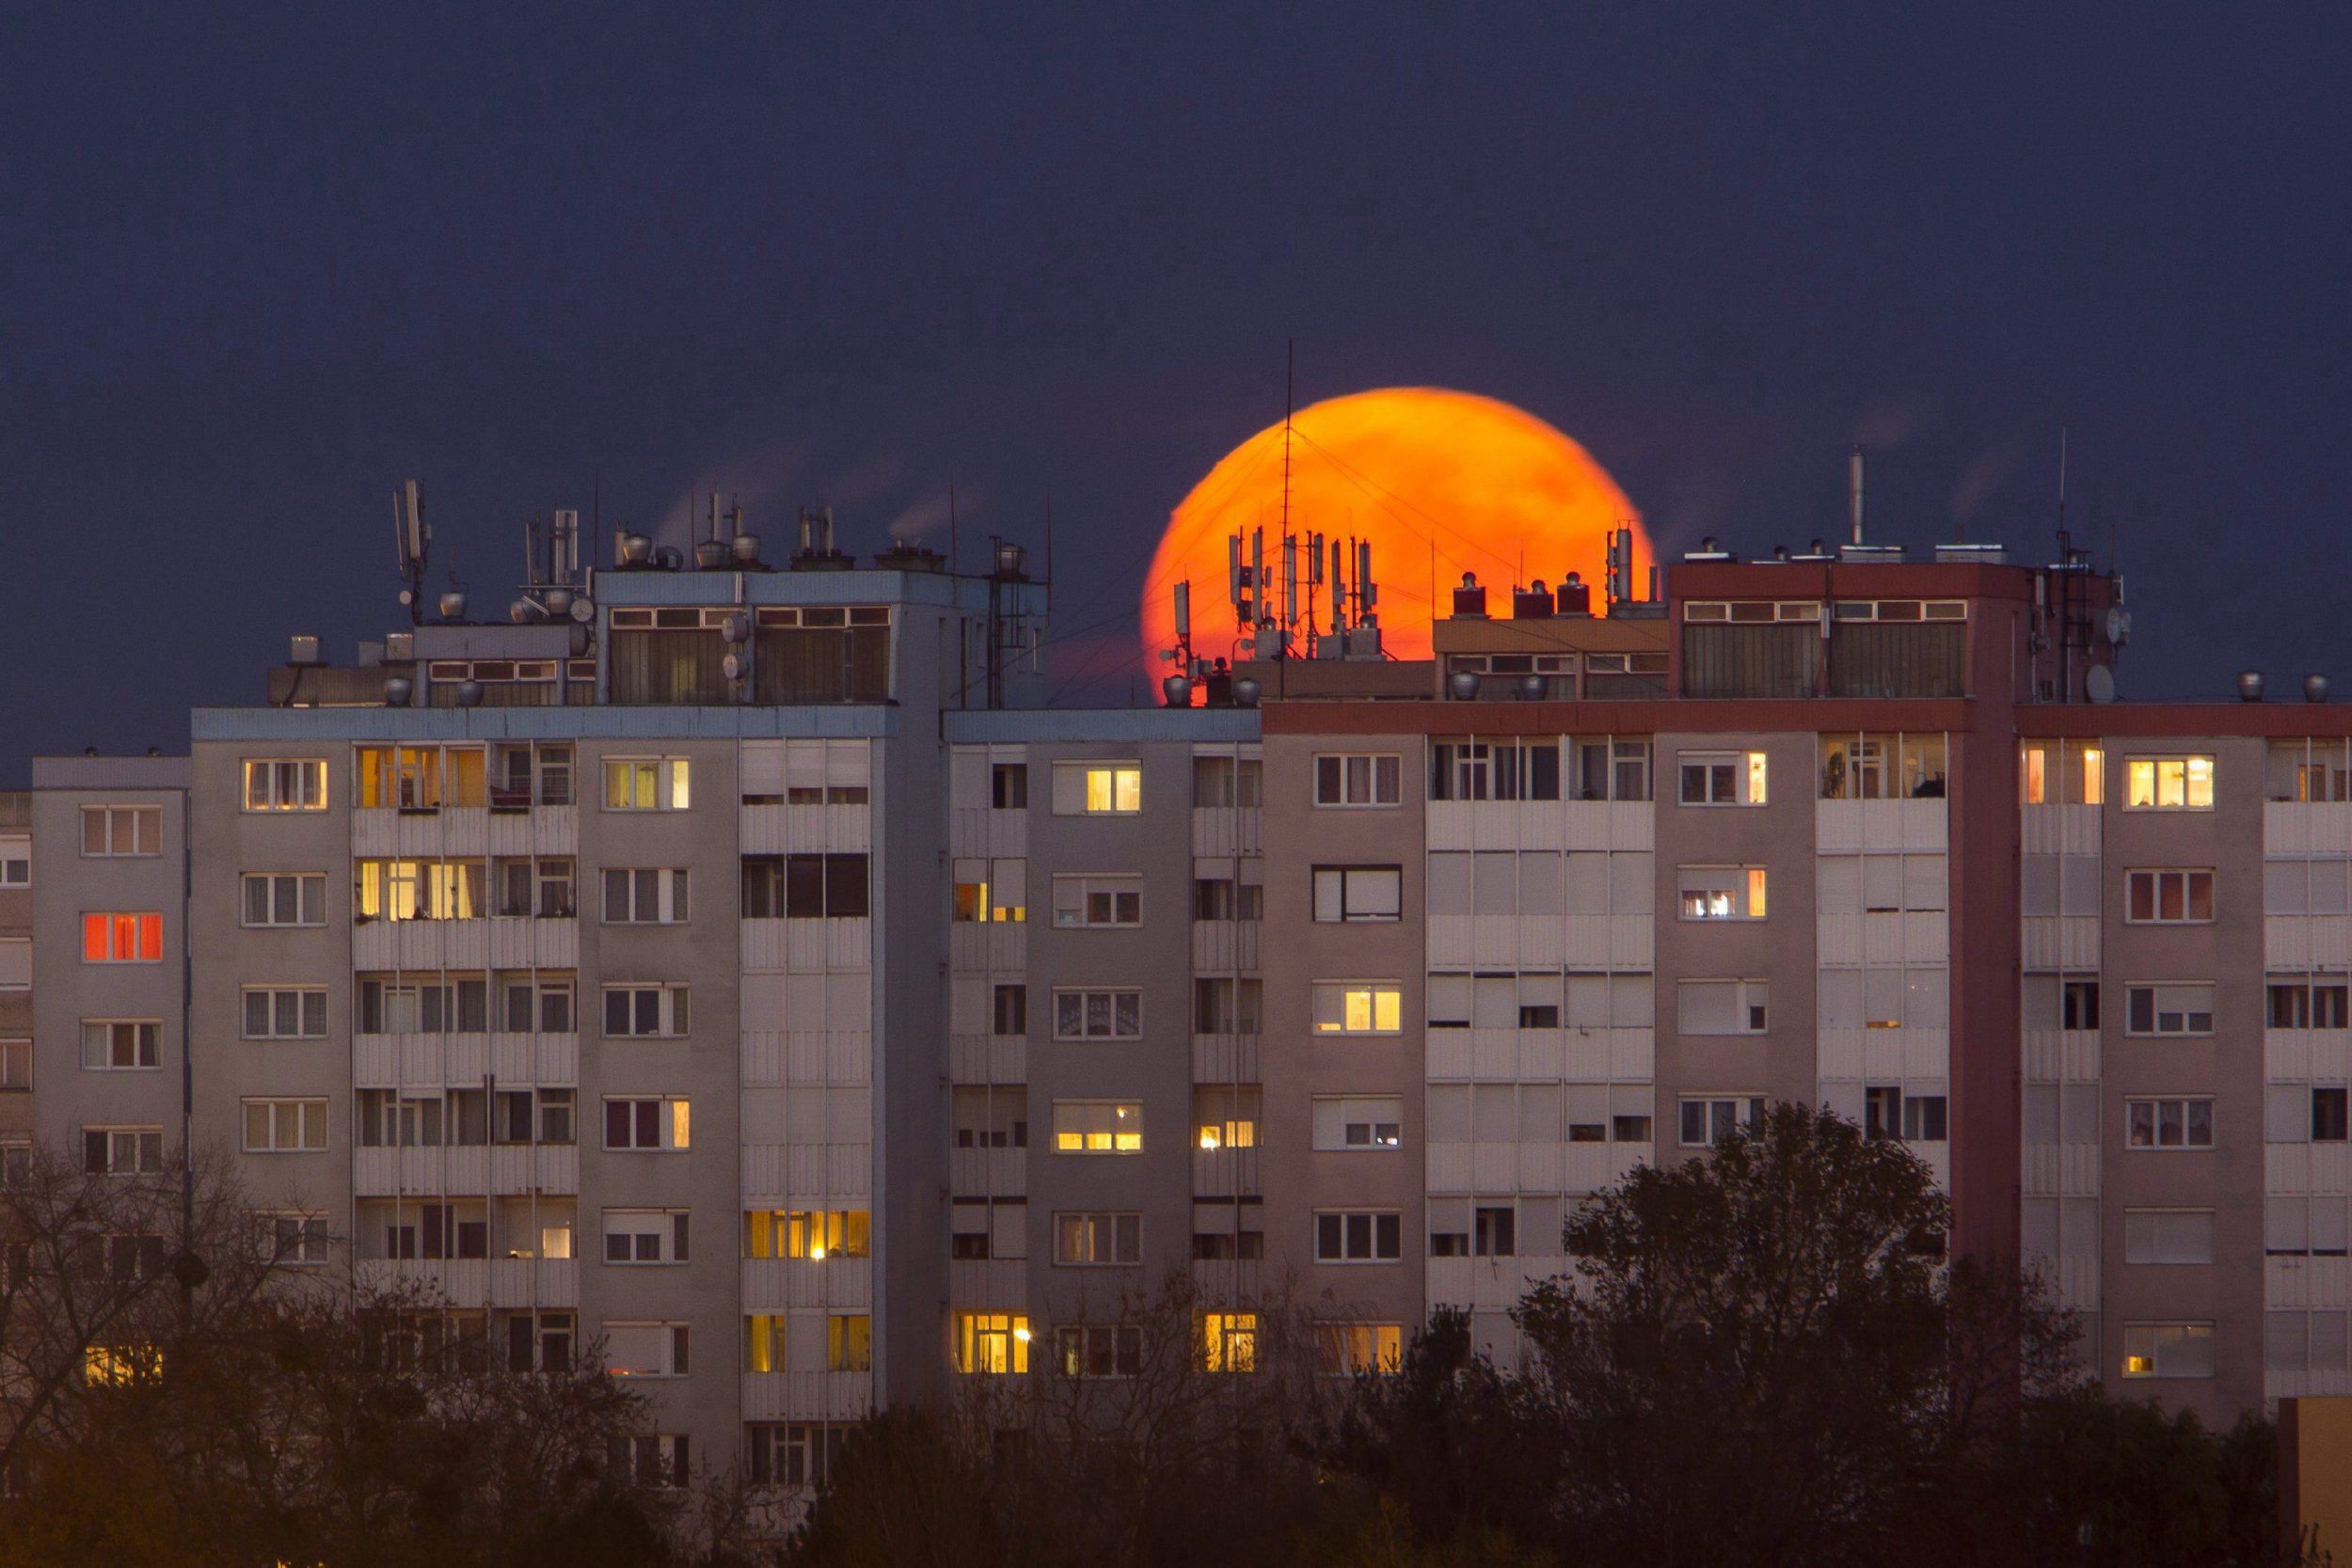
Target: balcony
[542,1282]
[1881,1055]
[1542,824]
[2069,942]
[1847,827]
[2307,828]
[535,831]
[428,833]
[979,832]
[989,1172]
[1618,941]
[1225,1173]
[2062,1055]
[775,1057]
[2293,941]
[988,946]
[988,1059]
[457,1281]
[1540,1055]
[1881,937]
[1225,831]
[1225,1059]
[388,1061]
[819,1396]
[778,829]
[1225,946]
[807,946]
[989,1285]
[2307,1284]
[2060,831]
[505,1170]
[2061,1170]
[813,1173]
[777,1283]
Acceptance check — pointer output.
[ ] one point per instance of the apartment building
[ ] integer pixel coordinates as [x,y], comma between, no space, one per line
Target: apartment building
[745,969]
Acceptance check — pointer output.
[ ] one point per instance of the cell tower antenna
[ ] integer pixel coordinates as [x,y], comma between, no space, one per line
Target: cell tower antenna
[1290,382]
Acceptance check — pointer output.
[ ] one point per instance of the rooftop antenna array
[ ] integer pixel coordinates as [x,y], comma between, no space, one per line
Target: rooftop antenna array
[411,541]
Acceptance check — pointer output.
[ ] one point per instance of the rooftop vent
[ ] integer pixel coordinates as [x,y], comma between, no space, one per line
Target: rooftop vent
[2249,685]
[1880,554]
[907,556]
[303,648]
[1575,597]
[1469,599]
[2314,688]
[1982,555]
[1532,603]
[1708,550]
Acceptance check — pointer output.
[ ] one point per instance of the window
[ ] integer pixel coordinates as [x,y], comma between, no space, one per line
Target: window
[794,1453]
[16,963]
[522,776]
[2078,1005]
[646,784]
[437,1230]
[1009,787]
[419,889]
[1495,770]
[1011,1015]
[1357,1007]
[1098,1127]
[543,1005]
[110,937]
[1229,1342]
[1494,1231]
[1097,1240]
[2327,1116]
[1347,1349]
[120,1044]
[811,1234]
[2167,897]
[1721,1007]
[1226,1006]
[1097,788]
[1353,892]
[1358,779]
[115,831]
[1707,1121]
[646,1349]
[2168,1350]
[764,1336]
[659,1460]
[16,1064]
[401,1008]
[1223,898]
[644,1236]
[1721,778]
[295,1238]
[289,785]
[849,1342]
[807,887]
[542,1344]
[284,1013]
[987,891]
[1098,900]
[990,1118]
[2167,1010]
[645,1012]
[16,1163]
[1099,1349]
[2168,784]
[1095,1015]
[1722,892]
[2170,1123]
[1227,781]
[1225,1116]
[1925,1117]
[2308,1005]
[1358,1122]
[2168,1235]
[421,778]
[288,899]
[284,1126]
[525,888]
[991,1342]
[654,1122]
[1359,1235]
[647,896]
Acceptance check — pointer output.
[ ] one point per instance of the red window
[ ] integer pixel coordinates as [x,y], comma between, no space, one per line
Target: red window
[122,938]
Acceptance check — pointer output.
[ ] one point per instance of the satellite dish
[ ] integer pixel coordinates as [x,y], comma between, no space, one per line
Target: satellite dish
[582,610]
[2119,624]
[2099,685]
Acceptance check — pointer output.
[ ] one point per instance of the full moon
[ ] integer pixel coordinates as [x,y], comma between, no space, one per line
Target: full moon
[1440,483]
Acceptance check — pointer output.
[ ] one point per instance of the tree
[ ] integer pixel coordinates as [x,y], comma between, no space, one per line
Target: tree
[1758,1361]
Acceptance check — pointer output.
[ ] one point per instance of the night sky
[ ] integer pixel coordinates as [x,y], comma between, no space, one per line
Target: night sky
[255,272]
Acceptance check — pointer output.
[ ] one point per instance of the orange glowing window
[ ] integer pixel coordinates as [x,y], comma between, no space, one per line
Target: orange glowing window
[110,937]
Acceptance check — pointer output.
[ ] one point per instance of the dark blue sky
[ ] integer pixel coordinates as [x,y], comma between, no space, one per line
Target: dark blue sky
[254,272]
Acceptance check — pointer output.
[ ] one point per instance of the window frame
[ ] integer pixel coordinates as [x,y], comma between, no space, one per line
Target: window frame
[1384,1243]
[1372,991]
[307,1109]
[1120,885]
[1747,1111]
[1119,1111]
[2156,879]
[153,1032]
[273,796]
[672,891]
[1121,779]
[672,782]
[2155,763]
[105,814]
[1117,1231]
[2136,1366]
[309,888]
[1339,769]
[671,1112]
[2156,1124]
[673,1002]
[1084,995]
[1749,780]
[1346,875]
[668,1230]
[304,996]
[1750,893]
[2153,988]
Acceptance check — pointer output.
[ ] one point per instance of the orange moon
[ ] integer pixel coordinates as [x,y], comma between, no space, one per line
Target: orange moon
[1440,483]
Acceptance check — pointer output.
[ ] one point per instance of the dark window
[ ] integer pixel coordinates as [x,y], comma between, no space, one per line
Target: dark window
[2078,1005]
[1013,1010]
[2327,1116]
[1881,1112]
[1495,1232]
[1010,786]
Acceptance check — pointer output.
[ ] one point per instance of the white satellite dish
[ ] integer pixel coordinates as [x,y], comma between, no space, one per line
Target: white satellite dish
[2099,685]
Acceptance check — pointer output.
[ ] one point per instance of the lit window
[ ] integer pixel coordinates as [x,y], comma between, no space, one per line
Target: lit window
[1097,1240]
[991,891]
[2037,775]
[648,1124]
[1097,789]
[285,785]
[2167,1123]
[1229,1342]
[763,1342]
[1343,1350]
[110,937]
[1351,1007]
[284,1126]
[419,889]
[1722,892]
[849,1342]
[2168,784]
[813,1234]
[115,832]
[1358,779]
[1721,778]
[117,1365]
[2168,1350]
[1098,1127]
[2094,776]
[646,784]
[991,1342]
[1226,1117]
